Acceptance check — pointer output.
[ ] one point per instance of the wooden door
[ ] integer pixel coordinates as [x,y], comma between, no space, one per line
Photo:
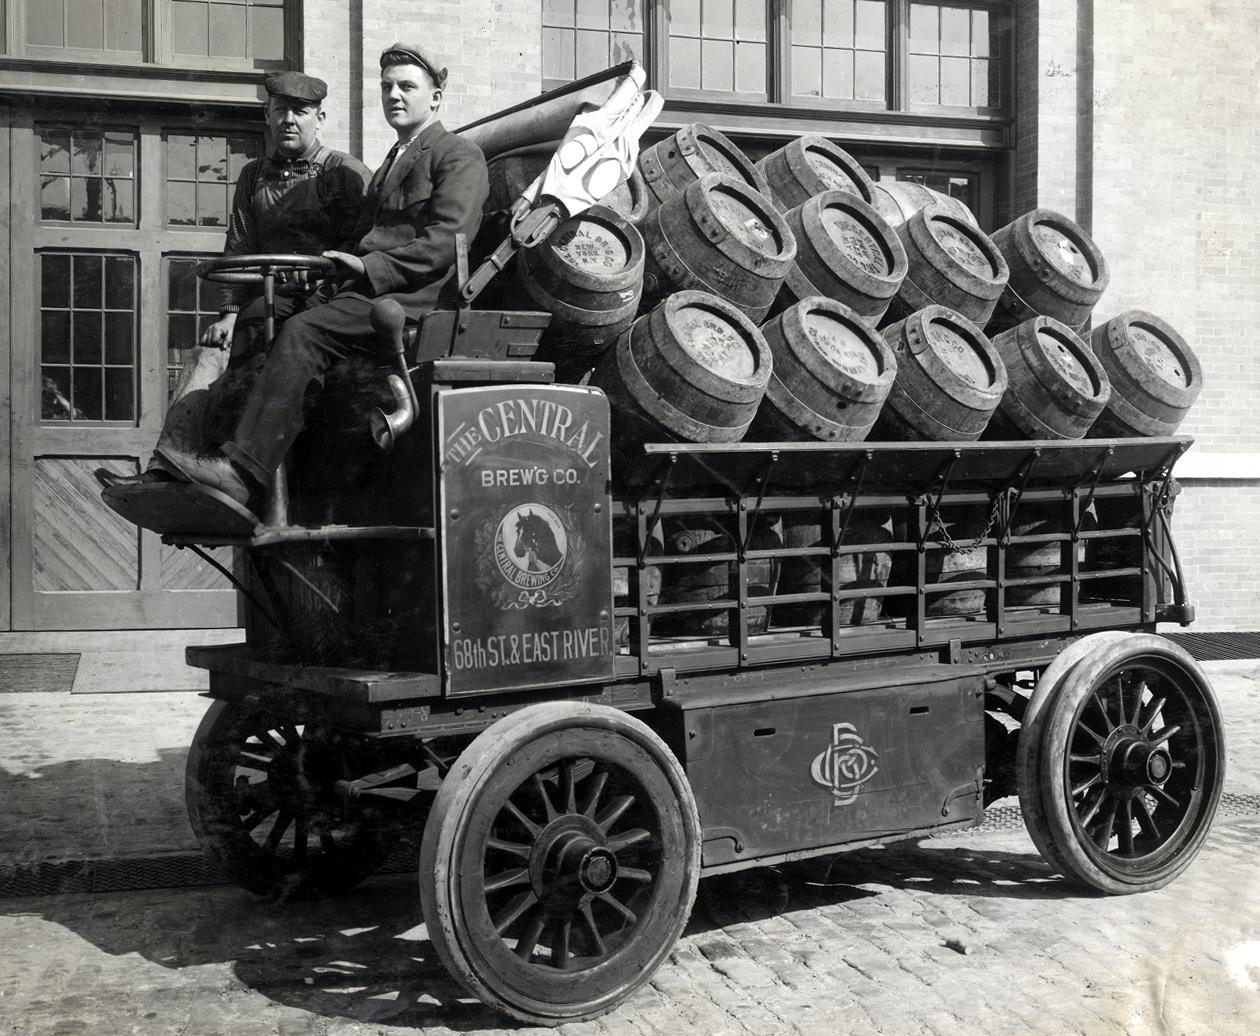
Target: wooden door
[108,217]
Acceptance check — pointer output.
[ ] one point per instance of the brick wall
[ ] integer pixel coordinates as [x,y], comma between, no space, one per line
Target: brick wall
[331,49]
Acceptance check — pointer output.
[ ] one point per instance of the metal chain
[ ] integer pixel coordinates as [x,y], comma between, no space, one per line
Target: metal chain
[949,542]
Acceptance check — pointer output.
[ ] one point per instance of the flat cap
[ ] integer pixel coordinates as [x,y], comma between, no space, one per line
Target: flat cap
[418,55]
[297,85]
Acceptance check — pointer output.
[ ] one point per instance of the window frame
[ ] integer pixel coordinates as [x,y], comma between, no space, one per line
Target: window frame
[779,102]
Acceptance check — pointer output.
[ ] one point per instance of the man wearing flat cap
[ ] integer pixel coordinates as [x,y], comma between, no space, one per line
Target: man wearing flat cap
[431,187]
[302,199]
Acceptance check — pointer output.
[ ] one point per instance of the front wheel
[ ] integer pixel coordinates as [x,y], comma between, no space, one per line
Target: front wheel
[560,861]
[1133,761]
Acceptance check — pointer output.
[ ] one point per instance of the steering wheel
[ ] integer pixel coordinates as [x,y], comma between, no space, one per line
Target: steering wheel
[256,269]
[262,269]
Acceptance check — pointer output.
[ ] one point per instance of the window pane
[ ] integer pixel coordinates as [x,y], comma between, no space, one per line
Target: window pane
[627,47]
[981,43]
[838,74]
[119,340]
[717,71]
[684,63]
[227,30]
[85,199]
[87,153]
[871,25]
[87,336]
[181,157]
[924,28]
[118,283]
[85,26]
[592,14]
[750,68]
[750,20]
[266,33]
[807,71]
[592,52]
[120,154]
[118,197]
[807,20]
[557,12]
[984,92]
[241,150]
[87,282]
[719,19]
[54,152]
[87,392]
[55,281]
[557,53]
[955,81]
[123,25]
[211,205]
[181,204]
[182,284]
[191,27]
[181,331]
[869,77]
[120,395]
[684,20]
[924,80]
[626,15]
[838,24]
[54,336]
[45,23]
[54,197]
[211,158]
[955,31]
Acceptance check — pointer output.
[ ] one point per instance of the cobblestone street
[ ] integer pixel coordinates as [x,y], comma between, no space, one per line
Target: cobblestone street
[965,933]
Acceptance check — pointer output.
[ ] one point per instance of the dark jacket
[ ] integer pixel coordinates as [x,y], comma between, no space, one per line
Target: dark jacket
[406,232]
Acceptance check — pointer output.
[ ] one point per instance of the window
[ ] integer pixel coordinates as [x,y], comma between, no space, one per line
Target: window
[201,170]
[192,305]
[893,55]
[963,186]
[87,336]
[87,175]
[207,34]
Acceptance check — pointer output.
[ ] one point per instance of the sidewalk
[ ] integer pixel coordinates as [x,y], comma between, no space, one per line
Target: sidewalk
[101,776]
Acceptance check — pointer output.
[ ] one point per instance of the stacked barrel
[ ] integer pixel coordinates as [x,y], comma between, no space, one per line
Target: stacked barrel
[715,299]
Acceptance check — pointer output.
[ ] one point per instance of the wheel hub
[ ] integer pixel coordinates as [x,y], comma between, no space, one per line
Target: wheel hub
[569,860]
[1134,761]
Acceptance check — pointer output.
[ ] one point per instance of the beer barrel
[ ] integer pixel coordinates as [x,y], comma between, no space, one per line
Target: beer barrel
[627,581]
[629,199]
[513,171]
[951,263]
[588,274]
[693,370]
[810,165]
[1056,270]
[960,558]
[844,251]
[949,378]
[898,200]
[704,581]
[800,575]
[830,376]
[1155,375]
[1057,388]
[1024,560]
[718,236]
[693,152]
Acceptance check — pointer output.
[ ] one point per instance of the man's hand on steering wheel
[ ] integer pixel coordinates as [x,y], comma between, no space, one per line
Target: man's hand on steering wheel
[346,262]
[219,334]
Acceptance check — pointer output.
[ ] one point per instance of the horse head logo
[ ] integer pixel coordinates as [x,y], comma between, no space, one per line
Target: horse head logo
[536,543]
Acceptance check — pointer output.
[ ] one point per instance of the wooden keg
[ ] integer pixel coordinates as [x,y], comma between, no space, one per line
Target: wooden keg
[830,377]
[718,236]
[704,581]
[1056,270]
[844,251]
[588,274]
[960,558]
[1155,375]
[693,370]
[629,580]
[951,263]
[513,171]
[807,167]
[949,379]
[629,199]
[691,153]
[1057,387]
[898,200]
[1025,560]
[862,570]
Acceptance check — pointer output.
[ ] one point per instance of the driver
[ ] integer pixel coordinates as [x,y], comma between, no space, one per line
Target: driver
[302,199]
[431,187]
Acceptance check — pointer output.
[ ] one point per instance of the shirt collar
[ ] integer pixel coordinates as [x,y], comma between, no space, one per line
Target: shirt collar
[277,158]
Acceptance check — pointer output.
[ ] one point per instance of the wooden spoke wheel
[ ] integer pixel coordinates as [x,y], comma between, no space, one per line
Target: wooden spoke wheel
[1132,763]
[559,862]
[262,803]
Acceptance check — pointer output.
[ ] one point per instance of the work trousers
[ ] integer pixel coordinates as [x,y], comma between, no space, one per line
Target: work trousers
[297,363]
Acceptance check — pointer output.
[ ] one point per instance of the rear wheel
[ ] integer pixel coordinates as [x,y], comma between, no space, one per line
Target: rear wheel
[262,802]
[560,861]
[1133,761]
